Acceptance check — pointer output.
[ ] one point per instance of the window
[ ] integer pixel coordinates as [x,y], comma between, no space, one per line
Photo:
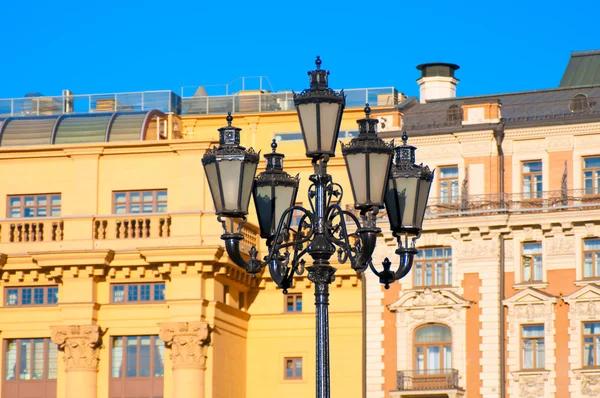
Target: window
[591,258]
[293,302]
[34,206]
[532,180]
[136,366]
[30,296]
[591,175]
[433,350]
[134,202]
[531,256]
[591,344]
[579,103]
[292,368]
[449,184]
[433,267]
[30,368]
[138,293]
[532,345]
[454,114]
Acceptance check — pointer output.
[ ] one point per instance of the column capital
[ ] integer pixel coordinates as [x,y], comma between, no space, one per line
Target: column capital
[81,345]
[188,342]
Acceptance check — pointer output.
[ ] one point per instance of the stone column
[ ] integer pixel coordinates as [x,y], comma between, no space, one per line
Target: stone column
[81,346]
[188,342]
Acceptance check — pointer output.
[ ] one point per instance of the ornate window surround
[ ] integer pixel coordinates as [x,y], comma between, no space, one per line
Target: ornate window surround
[530,307]
[431,306]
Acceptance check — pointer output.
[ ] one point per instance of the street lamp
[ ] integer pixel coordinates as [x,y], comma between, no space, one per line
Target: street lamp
[402,188]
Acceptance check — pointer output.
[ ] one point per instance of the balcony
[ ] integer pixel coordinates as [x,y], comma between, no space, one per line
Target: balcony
[430,383]
[546,201]
[116,232]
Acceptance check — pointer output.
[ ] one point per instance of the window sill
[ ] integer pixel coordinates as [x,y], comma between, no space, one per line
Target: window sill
[526,285]
[587,281]
[530,372]
[594,370]
[433,287]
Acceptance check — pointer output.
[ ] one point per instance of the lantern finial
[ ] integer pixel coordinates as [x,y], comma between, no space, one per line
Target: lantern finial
[367,110]
[274,145]
[318,62]
[404,138]
[229,118]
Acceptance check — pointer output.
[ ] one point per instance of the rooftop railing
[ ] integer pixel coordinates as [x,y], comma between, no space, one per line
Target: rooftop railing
[251,102]
[165,101]
[578,106]
[430,379]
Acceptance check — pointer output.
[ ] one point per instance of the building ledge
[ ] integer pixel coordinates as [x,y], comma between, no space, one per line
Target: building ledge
[527,285]
[441,393]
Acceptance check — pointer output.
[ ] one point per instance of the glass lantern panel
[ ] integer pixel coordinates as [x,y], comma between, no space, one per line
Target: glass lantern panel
[213,182]
[284,198]
[329,114]
[247,181]
[230,183]
[422,197]
[262,202]
[308,118]
[357,171]
[406,189]
[378,167]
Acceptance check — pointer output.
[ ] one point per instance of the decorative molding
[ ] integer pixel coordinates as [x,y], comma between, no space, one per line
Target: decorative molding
[530,305]
[188,342]
[590,382]
[478,249]
[561,244]
[81,345]
[531,385]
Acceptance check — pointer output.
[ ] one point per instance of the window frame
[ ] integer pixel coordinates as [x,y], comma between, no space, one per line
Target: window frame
[151,365]
[294,297]
[128,203]
[441,344]
[138,286]
[534,194]
[46,361]
[534,346]
[583,253]
[22,207]
[595,187]
[449,199]
[20,289]
[294,367]
[583,336]
[532,264]
[433,260]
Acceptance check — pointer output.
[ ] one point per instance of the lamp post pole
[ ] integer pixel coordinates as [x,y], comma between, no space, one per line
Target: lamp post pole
[401,186]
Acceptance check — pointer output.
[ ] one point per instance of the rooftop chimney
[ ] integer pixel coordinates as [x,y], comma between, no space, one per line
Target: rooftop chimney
[437,81]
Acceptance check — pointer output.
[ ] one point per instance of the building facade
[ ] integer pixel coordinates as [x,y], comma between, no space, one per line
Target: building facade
[114,281]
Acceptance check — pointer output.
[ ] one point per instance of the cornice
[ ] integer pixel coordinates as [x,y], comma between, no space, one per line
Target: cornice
[543,132]
[204,254]
[72,258]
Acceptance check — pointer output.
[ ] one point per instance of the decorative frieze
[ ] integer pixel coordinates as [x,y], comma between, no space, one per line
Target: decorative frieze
[81,345]
[188,342]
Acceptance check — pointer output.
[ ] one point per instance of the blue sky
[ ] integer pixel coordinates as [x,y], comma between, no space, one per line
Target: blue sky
[108,46]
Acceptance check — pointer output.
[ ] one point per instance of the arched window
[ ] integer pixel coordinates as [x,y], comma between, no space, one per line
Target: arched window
[433,350]
[454,114]
[579,103]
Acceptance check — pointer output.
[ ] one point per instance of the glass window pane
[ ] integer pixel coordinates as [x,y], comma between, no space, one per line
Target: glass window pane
[55,200]
[26,296]
[134,209]
[159,357]
[52,297]
[29,201]
[290,303]
[591,244]
[159,292]
[145,356]
[587,265]
[591,328]
[117,357]
[147,196]
[289,368]
[299,368]
[38,359]
[145,292]
[118,294]
[38,295]
[42,200]
[132,293]
[131,357]
[28,212]
[299,303]
[161,208]
[24,360]
[533,331]
[15,213]
[161,196]
[134,197]
[527,354]
[42,212]
[588,353]
[52,360]
[120,209]
[10,368]
[55,212]
[12,296]
[120,197]
[147,208]
[12,202]
[449,172]
[540,354]
[591,162]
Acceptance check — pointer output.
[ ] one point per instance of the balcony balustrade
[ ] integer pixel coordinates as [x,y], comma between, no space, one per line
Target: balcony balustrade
[431,379]
[39,230]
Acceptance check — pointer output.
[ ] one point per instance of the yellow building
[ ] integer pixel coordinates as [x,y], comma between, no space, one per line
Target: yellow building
[114,278]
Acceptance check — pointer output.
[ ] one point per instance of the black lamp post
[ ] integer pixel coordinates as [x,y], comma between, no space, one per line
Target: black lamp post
[402,187]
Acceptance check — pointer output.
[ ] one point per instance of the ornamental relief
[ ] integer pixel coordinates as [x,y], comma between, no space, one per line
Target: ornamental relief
[532,386]
[532,312]
[430,306]
[188,342]
[561,244]
[590,384]
[478,249]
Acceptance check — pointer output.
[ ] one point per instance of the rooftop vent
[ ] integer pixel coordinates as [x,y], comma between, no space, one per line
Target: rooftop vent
[437,81]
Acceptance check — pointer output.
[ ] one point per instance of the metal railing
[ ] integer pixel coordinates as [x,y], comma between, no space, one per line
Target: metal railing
[279,101]
[560,200]
[430,379]
[577,106]
[165,101]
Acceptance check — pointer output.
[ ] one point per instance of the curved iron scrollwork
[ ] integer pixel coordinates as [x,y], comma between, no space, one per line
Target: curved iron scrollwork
[322,231]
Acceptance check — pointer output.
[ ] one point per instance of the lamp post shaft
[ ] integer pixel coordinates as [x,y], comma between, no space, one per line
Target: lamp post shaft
[322,318]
